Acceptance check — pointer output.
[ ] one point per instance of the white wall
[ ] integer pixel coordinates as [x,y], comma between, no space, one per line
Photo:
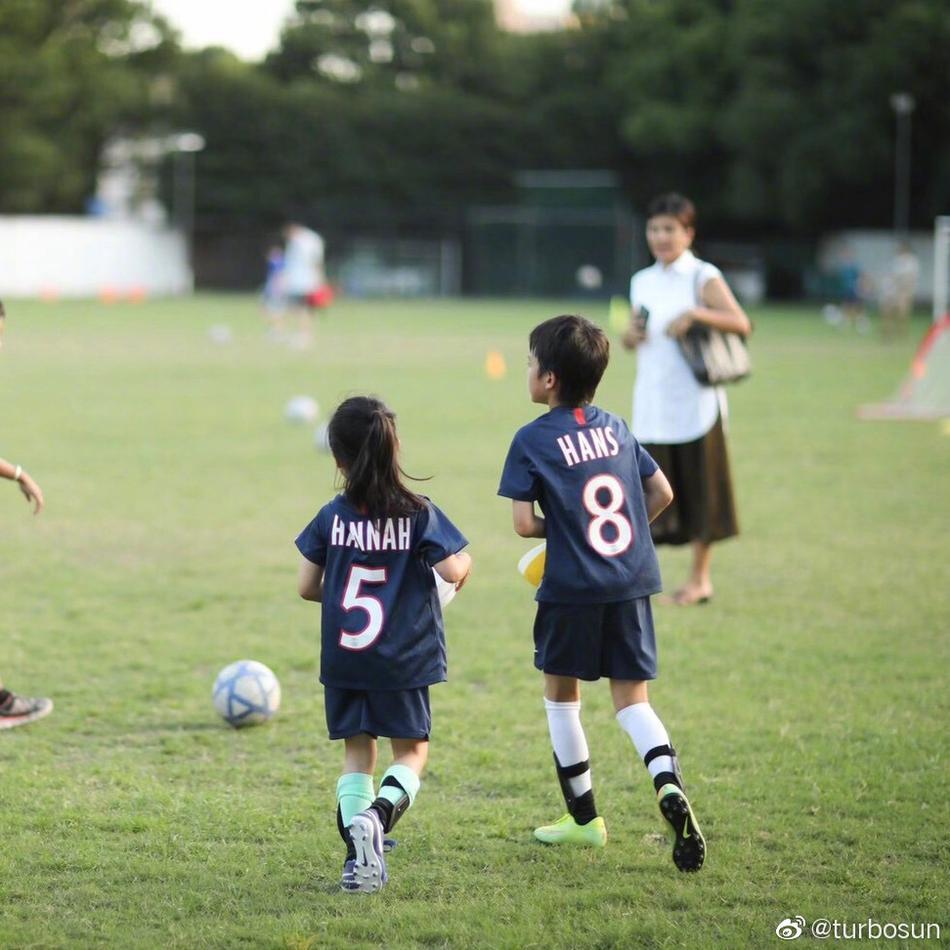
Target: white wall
[85,257]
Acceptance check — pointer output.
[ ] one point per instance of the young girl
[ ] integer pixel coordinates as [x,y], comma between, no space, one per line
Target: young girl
[371,557]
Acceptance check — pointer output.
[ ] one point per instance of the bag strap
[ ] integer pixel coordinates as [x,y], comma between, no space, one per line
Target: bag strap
[697,285]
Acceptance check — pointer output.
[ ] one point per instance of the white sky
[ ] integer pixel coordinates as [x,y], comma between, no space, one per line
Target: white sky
[251,28]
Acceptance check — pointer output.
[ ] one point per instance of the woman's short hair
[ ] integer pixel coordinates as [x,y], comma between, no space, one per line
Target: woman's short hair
[676,206]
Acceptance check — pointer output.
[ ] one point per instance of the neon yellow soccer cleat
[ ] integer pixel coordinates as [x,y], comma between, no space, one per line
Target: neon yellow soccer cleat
[567,831]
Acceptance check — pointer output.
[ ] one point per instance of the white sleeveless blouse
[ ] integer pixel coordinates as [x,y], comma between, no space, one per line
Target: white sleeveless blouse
[669,405]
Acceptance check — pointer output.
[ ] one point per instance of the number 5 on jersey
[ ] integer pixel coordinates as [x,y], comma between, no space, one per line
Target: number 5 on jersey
[608,514]
[353,599]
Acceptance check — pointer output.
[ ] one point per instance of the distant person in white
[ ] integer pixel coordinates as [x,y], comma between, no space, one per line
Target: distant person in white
[676,419]
[303,274]
[897,291]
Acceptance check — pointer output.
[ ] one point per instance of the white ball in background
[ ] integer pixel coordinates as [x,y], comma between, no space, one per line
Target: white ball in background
[221,334]
[589,277]
[302,410]
[832,314]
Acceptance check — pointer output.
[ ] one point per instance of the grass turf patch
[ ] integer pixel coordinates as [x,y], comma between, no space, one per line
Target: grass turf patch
[808,701]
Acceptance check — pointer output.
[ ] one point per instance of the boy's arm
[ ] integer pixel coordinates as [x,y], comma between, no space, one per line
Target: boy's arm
[310,580]
[455,569]
[657,494]
[527,523]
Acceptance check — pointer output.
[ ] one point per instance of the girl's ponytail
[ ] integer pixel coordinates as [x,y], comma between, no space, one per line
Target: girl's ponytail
[363,440]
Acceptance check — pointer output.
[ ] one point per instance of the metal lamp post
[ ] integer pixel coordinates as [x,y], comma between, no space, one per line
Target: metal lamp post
[185,146]
[903,105]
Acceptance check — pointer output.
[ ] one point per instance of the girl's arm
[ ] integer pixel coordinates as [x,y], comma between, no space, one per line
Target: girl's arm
[310,580]
[455,569]
[719,309]
[31,491]
[527,523]
[657,494]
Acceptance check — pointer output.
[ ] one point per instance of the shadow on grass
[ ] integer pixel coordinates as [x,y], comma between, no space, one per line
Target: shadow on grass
[178,728]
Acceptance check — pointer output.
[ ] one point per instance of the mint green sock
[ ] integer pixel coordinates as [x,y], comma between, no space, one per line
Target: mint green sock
[354,793]
[407,779]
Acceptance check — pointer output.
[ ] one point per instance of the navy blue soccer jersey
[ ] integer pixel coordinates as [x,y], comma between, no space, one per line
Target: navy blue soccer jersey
[382,621]
[584,469]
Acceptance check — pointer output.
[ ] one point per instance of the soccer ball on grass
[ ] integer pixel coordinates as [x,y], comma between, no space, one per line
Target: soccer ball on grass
[246,693]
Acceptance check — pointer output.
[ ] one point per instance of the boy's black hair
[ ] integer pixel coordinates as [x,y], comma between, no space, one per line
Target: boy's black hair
[576,351]
[362,436]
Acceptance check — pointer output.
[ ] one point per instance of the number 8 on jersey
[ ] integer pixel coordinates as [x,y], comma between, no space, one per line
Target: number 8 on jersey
[608,514]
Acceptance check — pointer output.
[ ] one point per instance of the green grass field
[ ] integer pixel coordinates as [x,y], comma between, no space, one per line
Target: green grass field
[808,701]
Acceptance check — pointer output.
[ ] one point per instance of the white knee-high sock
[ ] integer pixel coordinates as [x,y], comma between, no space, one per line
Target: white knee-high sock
[569,741]
[646,730]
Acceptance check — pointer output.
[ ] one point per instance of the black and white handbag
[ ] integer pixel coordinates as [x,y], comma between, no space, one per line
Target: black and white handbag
[715,357]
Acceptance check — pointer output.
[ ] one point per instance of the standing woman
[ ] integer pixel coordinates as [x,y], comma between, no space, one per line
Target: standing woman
[675,418]
[19,710]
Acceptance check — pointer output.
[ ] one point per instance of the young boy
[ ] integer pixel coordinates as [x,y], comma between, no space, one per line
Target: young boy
[19,710]
[598,491]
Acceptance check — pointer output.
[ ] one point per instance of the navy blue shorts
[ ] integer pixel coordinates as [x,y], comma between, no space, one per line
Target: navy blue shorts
[394,713]
[589,641]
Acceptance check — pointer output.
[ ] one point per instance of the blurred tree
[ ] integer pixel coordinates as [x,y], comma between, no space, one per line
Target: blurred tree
[566,116]
[776,115]
[773,116]
[71,74]
[275,149]
[365,111]
[810,125]
[406,43]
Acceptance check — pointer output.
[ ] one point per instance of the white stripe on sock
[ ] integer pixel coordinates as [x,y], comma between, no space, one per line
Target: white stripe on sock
[646,730]
[568,740]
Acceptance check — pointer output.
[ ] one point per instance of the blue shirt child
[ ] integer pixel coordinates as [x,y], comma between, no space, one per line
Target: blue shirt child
[382,620]
[273,282]
[584,469]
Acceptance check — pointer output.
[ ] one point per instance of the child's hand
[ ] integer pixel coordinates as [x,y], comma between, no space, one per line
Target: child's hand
[31,492]
[468,571]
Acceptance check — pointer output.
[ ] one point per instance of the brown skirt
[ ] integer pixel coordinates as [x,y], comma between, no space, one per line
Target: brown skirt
[703,507]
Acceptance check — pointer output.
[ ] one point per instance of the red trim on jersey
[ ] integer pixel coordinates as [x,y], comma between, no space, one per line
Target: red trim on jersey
[580,416]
